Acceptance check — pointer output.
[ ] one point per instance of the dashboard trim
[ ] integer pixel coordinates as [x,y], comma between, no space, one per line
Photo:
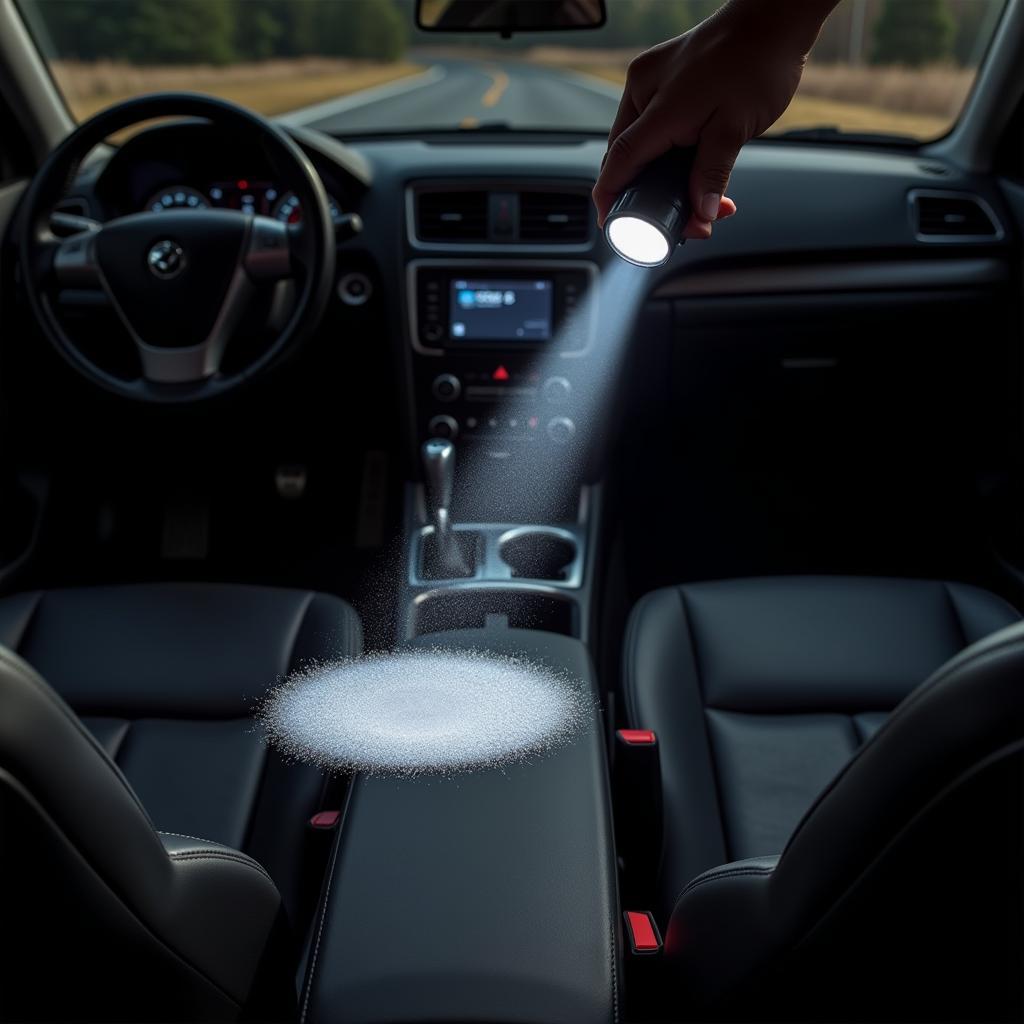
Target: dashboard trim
[840,277]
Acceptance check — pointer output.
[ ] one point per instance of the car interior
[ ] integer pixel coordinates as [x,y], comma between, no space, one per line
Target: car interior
[283,391]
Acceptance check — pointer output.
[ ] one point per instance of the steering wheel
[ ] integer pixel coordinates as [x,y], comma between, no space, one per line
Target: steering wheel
[179,280]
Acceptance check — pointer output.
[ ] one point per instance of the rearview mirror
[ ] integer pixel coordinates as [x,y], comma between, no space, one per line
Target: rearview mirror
[508,16]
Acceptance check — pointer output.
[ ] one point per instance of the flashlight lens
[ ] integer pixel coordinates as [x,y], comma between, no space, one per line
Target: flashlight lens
[638,241]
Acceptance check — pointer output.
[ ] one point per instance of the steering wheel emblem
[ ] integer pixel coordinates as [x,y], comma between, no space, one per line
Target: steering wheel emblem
[166,259]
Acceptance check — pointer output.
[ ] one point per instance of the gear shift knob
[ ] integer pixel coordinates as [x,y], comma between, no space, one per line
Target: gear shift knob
[446,556]
[439,466]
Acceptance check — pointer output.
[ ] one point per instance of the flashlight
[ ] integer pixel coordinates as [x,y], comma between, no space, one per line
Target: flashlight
[647,221]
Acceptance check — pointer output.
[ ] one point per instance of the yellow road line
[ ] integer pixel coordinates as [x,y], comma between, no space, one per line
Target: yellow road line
[468,122]
[496,89]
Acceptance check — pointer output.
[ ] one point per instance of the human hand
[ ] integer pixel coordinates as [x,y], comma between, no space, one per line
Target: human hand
[715,87]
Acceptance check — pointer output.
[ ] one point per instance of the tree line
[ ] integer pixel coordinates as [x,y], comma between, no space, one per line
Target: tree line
[911,32]
[221,31]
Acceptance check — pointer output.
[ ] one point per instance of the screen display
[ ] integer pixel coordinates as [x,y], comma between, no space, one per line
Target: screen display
[501,310]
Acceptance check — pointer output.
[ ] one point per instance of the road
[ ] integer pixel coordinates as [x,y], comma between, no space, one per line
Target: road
[466,93]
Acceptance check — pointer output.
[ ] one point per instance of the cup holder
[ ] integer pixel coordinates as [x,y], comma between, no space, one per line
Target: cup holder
[534,554]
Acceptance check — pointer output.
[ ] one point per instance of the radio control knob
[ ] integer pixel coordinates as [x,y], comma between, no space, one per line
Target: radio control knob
[561,429]
[446,387]
[556,390]
[446,427]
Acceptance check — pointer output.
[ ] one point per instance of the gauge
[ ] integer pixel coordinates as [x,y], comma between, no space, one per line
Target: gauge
[289,211]
[178,197]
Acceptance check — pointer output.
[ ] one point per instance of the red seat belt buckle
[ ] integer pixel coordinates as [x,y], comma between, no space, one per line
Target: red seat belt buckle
[642,932]
[324,820]
[637,737]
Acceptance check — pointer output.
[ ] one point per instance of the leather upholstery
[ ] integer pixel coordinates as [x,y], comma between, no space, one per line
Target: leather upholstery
[484,897]
[164,677]
[900,894]
[761,691]
[88,883]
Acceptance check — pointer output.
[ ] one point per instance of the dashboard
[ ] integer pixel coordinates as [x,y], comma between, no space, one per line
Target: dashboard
[477,258]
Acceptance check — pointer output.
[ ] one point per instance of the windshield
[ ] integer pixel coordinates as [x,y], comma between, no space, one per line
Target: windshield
[900,68]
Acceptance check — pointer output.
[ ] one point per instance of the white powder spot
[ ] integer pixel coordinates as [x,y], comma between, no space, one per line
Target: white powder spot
[424,712]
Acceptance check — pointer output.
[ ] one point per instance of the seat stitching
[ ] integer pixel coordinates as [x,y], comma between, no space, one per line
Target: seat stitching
[198,839]
[323,918]
[615,974]
[218,855]
[738,873]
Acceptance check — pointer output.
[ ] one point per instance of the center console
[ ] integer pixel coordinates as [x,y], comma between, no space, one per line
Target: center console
[498,342]
[487,897]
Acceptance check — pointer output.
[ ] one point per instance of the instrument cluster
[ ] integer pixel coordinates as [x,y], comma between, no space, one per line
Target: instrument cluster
[242,194]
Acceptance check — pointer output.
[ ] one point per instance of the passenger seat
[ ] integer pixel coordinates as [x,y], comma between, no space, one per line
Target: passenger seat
[761,690]
[822,858]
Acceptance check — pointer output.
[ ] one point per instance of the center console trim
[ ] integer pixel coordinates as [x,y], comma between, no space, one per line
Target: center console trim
[514,263]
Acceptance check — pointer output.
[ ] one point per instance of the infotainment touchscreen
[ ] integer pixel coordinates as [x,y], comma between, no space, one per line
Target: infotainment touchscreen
[511,310]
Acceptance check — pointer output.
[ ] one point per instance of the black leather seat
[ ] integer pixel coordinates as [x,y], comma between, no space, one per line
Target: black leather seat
[165,678]
[894,894]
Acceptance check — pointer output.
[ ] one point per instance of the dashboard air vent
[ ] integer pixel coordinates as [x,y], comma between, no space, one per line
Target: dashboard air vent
[956,216]
[554,217]
[452,216]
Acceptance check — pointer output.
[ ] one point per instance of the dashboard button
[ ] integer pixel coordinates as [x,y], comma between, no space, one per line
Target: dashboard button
[354,289]
[446,427]
[446,387]
[556,390]
[561,430]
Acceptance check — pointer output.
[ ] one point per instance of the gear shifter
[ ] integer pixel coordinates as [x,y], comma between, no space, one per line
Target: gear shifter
[445,556]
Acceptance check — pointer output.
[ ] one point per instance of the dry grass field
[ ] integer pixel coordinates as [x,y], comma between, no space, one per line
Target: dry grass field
[919,102]
[270,87]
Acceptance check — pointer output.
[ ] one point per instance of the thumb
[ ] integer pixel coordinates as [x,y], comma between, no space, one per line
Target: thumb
[717,149]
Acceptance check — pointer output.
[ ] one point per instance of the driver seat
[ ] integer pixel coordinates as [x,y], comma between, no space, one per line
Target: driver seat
[153,848]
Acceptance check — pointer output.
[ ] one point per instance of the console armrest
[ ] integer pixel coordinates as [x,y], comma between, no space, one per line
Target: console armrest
[490,896]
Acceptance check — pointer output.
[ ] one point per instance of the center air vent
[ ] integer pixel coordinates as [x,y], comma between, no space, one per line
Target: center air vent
[452,216]
[953,216]
[502,216]
[554,217]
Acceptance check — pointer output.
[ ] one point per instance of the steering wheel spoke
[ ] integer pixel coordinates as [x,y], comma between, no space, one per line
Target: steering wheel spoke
[195,363]
[268,250]
[72,260]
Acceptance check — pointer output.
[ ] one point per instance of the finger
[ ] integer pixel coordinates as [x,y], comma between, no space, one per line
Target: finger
[624,116]
[697,230]
[717,149]
[700,230]
[634,148]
